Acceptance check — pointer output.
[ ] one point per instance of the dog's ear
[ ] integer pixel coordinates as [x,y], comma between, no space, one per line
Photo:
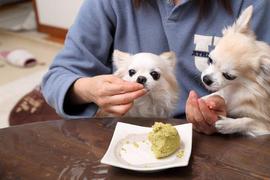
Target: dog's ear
[170,57]
[121,59]
[242,24]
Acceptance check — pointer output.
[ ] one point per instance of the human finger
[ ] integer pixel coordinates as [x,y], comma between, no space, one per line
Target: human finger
[189,107]
[125,98]
[116,80]
[200,122]
[120,88]
[113,79]
[217,104]
[119,99]
[118,110]
[209,116]
[197,117]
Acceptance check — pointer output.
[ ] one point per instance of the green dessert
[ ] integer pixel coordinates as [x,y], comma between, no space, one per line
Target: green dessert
[165,139]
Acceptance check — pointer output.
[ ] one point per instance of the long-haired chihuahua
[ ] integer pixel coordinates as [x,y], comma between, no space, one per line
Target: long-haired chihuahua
[239,71]
[157,74]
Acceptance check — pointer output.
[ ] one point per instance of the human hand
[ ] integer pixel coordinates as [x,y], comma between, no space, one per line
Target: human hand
[112,94]
[203,113]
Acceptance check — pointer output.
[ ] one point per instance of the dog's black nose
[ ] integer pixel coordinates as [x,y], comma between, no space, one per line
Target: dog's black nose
[141,80]
[207,80]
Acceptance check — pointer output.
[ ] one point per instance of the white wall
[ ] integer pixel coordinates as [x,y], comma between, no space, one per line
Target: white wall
[58,13]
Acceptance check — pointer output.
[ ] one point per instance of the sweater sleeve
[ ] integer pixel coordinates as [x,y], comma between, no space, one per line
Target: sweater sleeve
[86,53]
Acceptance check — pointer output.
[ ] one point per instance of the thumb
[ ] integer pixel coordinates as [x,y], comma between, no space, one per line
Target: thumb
[216,103]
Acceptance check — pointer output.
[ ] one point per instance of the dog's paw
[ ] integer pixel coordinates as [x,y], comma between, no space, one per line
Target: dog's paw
[226,126]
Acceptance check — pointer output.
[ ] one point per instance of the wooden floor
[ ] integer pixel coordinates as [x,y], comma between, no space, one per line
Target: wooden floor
[55,39]
[11,92]
[16,82]
[15,13]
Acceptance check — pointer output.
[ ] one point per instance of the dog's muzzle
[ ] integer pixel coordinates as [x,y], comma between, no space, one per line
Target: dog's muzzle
[207,80]
[141,79]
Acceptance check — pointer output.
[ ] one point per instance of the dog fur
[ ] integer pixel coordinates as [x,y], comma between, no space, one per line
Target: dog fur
[239,71]
[163,93]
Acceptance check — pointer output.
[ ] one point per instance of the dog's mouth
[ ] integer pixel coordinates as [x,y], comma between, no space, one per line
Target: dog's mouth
[146,87]
[211,88]
[209,83]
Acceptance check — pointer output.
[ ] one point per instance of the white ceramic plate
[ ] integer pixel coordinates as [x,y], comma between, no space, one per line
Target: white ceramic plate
[130,149]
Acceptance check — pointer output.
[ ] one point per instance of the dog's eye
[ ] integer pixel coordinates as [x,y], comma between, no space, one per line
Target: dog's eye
[131,72]
[155,75]
[229,76]
[210,61]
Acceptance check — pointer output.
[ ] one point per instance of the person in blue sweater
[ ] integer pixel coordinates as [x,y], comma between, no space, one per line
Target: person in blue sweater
[80,79]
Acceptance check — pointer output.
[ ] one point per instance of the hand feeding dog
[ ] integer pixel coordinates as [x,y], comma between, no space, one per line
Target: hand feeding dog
[156,73]
[239,71]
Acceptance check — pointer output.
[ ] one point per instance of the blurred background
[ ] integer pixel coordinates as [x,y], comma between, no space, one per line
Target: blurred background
[31,34]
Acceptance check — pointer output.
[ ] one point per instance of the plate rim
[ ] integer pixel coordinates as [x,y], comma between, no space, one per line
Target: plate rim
[105,158]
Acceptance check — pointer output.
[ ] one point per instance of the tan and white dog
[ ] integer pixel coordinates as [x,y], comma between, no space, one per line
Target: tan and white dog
[157,74]
[239,71]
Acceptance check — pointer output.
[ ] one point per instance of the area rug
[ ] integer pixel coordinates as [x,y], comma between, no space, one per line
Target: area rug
[16,82]
[32,108]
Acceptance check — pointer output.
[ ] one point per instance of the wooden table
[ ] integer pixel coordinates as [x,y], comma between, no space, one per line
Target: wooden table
[73,149]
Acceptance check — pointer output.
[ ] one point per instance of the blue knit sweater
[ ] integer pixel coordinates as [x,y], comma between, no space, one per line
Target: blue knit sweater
[157,26]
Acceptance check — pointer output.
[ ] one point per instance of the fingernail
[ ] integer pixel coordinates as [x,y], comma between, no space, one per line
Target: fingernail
[211,105]
[140,86]
[193,94]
